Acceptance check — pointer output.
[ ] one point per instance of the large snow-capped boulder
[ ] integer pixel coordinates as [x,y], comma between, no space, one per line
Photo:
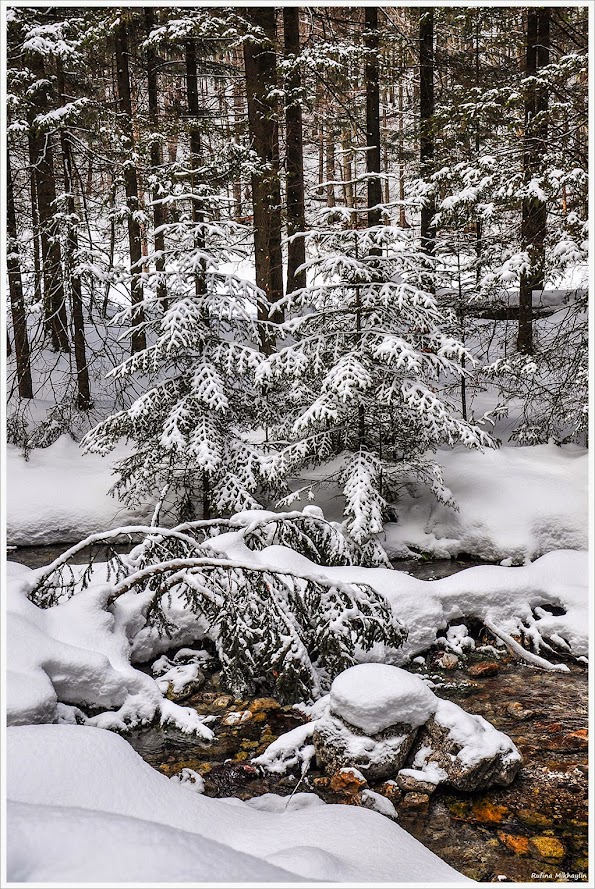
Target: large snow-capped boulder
[380,718]
[374,713]
[466,751]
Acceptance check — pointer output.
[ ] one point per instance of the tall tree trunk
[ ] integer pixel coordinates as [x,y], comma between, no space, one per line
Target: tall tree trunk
[372,117]
[238,126]
[56,320]
[347,169]
[70,259]
[534,211]
[402,217]
[15,288]
[138,339]
[296,220]
[193,105]
[260,68]
[426,113]
[35,221]
[159,216]
[329,155]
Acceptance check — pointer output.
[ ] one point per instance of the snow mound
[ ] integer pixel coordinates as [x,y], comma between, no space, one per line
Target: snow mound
[84,807]
[514,503]
[78,653]
[373,697]
[60,495]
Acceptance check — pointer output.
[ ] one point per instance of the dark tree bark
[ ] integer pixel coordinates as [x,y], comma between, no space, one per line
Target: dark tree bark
[296,219]
[138,339]
[38,291]
[372,117]
[70,258]
[159,216]
[260,71]
[15,288]
[534,211]
[193,105]
[56,320]
[426,113]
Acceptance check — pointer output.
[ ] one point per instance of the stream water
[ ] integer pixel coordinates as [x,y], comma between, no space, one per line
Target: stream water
[533,831]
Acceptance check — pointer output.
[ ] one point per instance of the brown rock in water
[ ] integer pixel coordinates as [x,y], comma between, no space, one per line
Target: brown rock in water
[548,848]
[391,791]
[339,745]
[410,784]
[578,740]
[516,710]
[347,781]
[484,670]
[260,704]
[516,844]
[534,818]
[487,813]
[415,800]
[447,661]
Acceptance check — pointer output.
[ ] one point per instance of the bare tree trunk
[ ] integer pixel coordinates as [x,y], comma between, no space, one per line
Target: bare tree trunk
[15,287]
[260,70]
[70,259]
[426,112]
[195,156]
[238,109]
[296,221]
[138,339]
[534,212]
[159,216]
[329,154]
[56,321]
[373,118]
[35,222]
[402,217]
[347,169]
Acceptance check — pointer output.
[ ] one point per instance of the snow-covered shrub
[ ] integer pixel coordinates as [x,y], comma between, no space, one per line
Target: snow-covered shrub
[273,630]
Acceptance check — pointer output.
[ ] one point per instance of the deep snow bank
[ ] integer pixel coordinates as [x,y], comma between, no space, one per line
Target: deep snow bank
[515,503]
[60,495]
[83,806]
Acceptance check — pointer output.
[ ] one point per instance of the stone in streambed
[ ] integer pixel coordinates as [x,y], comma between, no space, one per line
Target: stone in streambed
[447,661]
[484,670]
[468,749]
[374,713]
[547,848]
[518,845]
[348,781]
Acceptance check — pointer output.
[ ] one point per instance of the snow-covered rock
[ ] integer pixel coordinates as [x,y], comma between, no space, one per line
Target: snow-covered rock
[373,697]
[466,751]
[339,746]
[379,718]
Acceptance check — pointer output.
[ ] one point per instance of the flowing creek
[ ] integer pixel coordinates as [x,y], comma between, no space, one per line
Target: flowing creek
[533,831]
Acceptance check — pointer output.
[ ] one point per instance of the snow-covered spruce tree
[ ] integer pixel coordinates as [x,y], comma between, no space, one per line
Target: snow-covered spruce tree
[197,369]
[360,373]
